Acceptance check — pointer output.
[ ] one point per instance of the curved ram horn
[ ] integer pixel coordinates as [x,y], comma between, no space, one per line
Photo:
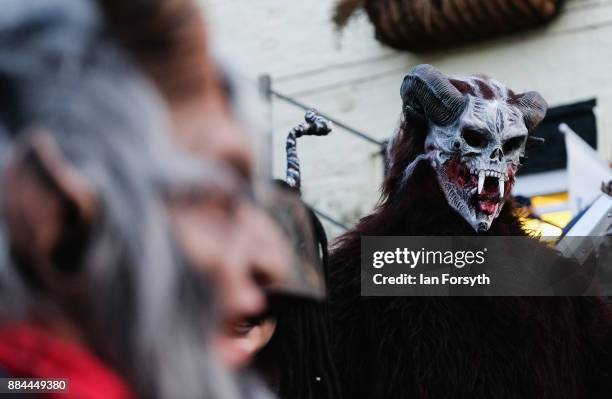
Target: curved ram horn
[533,107]
[429,93]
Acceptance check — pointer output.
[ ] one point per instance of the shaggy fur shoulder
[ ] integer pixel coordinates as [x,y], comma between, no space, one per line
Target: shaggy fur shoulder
[437,347]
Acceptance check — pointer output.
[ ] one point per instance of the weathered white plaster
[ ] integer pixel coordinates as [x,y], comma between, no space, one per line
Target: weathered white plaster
[355,79]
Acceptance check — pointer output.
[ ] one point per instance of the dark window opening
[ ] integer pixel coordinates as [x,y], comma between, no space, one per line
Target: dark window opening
[551,155]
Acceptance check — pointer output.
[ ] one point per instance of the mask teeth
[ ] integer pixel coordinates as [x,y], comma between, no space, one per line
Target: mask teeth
[484,173]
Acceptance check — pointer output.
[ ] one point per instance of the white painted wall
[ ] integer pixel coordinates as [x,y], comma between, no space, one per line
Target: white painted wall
[355,79]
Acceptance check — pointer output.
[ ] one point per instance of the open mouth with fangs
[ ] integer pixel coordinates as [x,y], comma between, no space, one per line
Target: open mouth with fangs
[485,189]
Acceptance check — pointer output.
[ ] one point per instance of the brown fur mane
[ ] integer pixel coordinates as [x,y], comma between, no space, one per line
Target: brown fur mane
[440,347]
[167,39]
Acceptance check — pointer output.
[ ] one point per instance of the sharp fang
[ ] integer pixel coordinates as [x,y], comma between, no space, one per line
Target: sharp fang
[501,186]
[481,179]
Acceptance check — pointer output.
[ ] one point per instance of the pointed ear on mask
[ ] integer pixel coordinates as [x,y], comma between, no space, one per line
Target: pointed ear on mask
[50,210]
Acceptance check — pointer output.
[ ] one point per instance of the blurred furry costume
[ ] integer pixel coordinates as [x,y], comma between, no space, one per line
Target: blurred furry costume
[297,362]
[456,347]
[133,312]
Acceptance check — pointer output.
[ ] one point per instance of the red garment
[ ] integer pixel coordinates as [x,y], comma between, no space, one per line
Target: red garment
[28,352]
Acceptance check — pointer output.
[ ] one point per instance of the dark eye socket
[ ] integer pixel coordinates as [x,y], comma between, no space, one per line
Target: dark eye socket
[513,144]
[243,327]
[474,138]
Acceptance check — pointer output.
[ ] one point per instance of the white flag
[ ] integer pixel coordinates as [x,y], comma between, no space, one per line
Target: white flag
[586,170]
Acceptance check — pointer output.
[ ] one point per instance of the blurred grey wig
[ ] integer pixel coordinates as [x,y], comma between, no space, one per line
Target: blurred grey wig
[151,311]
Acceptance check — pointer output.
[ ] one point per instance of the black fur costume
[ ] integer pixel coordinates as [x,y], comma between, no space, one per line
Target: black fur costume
[457,347]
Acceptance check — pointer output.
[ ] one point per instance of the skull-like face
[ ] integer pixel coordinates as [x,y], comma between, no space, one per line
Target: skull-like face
[477,133]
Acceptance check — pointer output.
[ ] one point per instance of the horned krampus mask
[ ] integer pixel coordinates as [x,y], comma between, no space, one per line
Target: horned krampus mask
[477,132]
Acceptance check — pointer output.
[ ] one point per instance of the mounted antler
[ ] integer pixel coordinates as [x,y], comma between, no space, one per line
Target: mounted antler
[429,93]
[315,125]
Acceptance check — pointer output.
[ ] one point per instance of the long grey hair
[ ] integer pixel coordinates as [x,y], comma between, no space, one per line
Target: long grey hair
[151,311]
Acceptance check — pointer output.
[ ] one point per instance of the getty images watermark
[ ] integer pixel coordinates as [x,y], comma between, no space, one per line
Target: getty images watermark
[413,258]
[478,266]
